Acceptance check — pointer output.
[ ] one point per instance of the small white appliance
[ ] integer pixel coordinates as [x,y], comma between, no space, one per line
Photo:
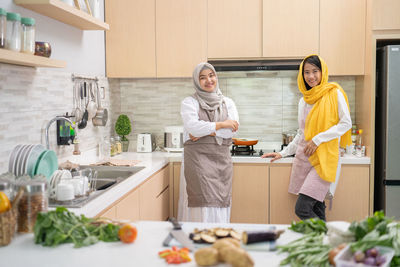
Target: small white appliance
[145,142]
[173,138]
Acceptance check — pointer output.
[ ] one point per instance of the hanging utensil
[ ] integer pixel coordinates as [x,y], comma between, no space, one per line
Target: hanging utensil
[84,120]
[92,106]
[102,113]
[77,111]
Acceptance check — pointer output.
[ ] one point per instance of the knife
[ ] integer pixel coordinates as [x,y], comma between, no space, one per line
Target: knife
[179,235]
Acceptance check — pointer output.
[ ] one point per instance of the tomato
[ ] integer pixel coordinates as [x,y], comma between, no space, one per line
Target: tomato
[127,233]
[5,204]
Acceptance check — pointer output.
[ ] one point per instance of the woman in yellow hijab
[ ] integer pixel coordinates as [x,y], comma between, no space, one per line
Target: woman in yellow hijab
[324,125]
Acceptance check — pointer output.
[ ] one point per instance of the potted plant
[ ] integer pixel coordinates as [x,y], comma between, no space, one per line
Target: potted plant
[123,128]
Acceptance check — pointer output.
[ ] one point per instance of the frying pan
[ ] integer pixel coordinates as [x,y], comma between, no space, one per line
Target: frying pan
[244,141]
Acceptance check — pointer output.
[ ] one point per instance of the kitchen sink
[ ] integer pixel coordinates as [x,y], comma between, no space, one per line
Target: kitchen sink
[107,177]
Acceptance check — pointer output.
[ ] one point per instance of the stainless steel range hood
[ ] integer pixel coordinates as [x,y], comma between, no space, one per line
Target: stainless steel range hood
[255,65]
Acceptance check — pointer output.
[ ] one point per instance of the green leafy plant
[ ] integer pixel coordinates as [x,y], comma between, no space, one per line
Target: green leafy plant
[123,126]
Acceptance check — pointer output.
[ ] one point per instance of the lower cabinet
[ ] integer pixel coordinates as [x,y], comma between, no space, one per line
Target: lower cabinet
[250,195]
[150,201]
[350,203]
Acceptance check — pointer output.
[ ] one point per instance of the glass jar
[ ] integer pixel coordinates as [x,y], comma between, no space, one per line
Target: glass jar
[113,147]
[34,200]
[118,144]
[28,35]
[3,22]
[104,149]
[6,187]
[13,32]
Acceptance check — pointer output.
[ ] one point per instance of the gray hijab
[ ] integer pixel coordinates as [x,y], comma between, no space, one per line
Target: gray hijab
[211,102]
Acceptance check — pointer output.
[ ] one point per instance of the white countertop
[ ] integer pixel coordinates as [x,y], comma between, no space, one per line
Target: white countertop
[143,252]
[153,162]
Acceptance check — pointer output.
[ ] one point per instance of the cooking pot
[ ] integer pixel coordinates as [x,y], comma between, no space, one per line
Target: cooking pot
[244,142]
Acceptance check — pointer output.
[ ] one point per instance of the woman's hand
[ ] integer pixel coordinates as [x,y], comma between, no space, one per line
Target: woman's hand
[310,148]
[273,155]
[194,139]
[231,124]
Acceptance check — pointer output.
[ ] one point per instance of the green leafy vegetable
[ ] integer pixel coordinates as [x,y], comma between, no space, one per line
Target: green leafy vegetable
[309,226]
[376,222]
[62,226]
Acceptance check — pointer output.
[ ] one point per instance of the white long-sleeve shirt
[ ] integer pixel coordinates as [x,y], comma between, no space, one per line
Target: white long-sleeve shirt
[335,131]
[198,128]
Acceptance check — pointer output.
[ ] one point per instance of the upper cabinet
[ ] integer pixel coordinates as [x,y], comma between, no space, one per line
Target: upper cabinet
[386,15]
[130,43]
[234,28]
[290,28]
[181,36]
[65,13]
[342,36]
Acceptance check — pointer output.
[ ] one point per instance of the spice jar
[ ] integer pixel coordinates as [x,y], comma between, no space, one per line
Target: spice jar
[118,144]
[28,35]
[33,201]
[13,32]
[113,149]
[3,22]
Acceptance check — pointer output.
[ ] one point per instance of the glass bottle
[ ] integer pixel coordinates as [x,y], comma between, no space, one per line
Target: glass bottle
[359,144]
[34,200]
[28,35]
[3,23]
[13,32]
[118,144]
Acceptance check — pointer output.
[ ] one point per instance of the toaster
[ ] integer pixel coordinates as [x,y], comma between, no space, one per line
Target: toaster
[145,142]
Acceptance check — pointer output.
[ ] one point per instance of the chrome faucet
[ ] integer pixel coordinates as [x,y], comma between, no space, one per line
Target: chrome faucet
[53,120]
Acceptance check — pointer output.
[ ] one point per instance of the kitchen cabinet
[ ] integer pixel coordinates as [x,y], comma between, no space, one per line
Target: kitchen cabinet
[287,31]
[351,201]
[181,36]
[130,42]
[234,28]
[149,201]
[177,175]
[342,36]
[65,13]
[282,203]
[385,15]
[250,193]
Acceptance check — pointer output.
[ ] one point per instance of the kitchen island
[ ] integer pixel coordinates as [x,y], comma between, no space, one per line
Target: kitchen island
[143,252]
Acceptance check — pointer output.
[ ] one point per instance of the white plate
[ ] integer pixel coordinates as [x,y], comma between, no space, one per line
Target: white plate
[15,164]
[12,158]
[25,162]
[33,157]
[22,159]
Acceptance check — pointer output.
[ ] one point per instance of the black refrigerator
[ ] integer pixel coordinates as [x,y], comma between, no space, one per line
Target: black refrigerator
[387,131]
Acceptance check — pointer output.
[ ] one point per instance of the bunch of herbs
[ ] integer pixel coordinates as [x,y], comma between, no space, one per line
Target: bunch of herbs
[309,226]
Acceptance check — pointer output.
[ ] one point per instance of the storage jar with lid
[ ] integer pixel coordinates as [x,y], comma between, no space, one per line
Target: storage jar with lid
[118,144]
[33,201]
[113,147]
[28,35]
[6,187]
[3,22]
[13,32]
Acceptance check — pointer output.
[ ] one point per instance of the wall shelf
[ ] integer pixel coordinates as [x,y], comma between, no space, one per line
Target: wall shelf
[65,13]
[17,58]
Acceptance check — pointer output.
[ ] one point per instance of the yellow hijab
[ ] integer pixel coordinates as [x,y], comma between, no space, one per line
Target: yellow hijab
[323,115]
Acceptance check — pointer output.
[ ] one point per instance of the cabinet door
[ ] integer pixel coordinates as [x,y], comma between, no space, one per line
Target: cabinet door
[154,197]
[290,28]
[177,176]
[234,28]
[130,42]
[351,200]
[282,203]
[181,34]
[342,36]
[128,207]
[110,213]
[385,15]
[250,193]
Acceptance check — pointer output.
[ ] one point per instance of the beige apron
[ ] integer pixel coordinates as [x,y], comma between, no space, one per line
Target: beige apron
[208,169]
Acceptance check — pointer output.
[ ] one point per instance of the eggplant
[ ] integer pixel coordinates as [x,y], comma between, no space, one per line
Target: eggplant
[260,236]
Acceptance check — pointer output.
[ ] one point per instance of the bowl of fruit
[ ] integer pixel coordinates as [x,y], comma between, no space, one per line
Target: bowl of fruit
[376,256]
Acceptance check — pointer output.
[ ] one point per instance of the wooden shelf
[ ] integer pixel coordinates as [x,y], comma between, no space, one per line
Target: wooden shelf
[17,58]
[65,13]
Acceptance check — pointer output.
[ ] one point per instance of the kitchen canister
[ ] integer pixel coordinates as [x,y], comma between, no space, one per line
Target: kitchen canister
[28,35]
[13,32]
[3,23]
[33,201]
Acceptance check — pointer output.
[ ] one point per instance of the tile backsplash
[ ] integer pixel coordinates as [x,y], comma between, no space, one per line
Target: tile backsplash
[29,98]
[266,101]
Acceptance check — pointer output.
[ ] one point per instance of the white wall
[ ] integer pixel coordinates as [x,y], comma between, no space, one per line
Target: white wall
[83,51]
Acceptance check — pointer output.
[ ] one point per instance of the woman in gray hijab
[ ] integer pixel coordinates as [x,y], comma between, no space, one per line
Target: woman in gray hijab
[210,121]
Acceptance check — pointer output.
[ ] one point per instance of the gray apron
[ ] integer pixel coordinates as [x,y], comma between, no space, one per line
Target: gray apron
[208,169]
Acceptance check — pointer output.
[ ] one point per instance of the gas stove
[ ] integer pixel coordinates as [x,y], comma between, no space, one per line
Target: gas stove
[246,151]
